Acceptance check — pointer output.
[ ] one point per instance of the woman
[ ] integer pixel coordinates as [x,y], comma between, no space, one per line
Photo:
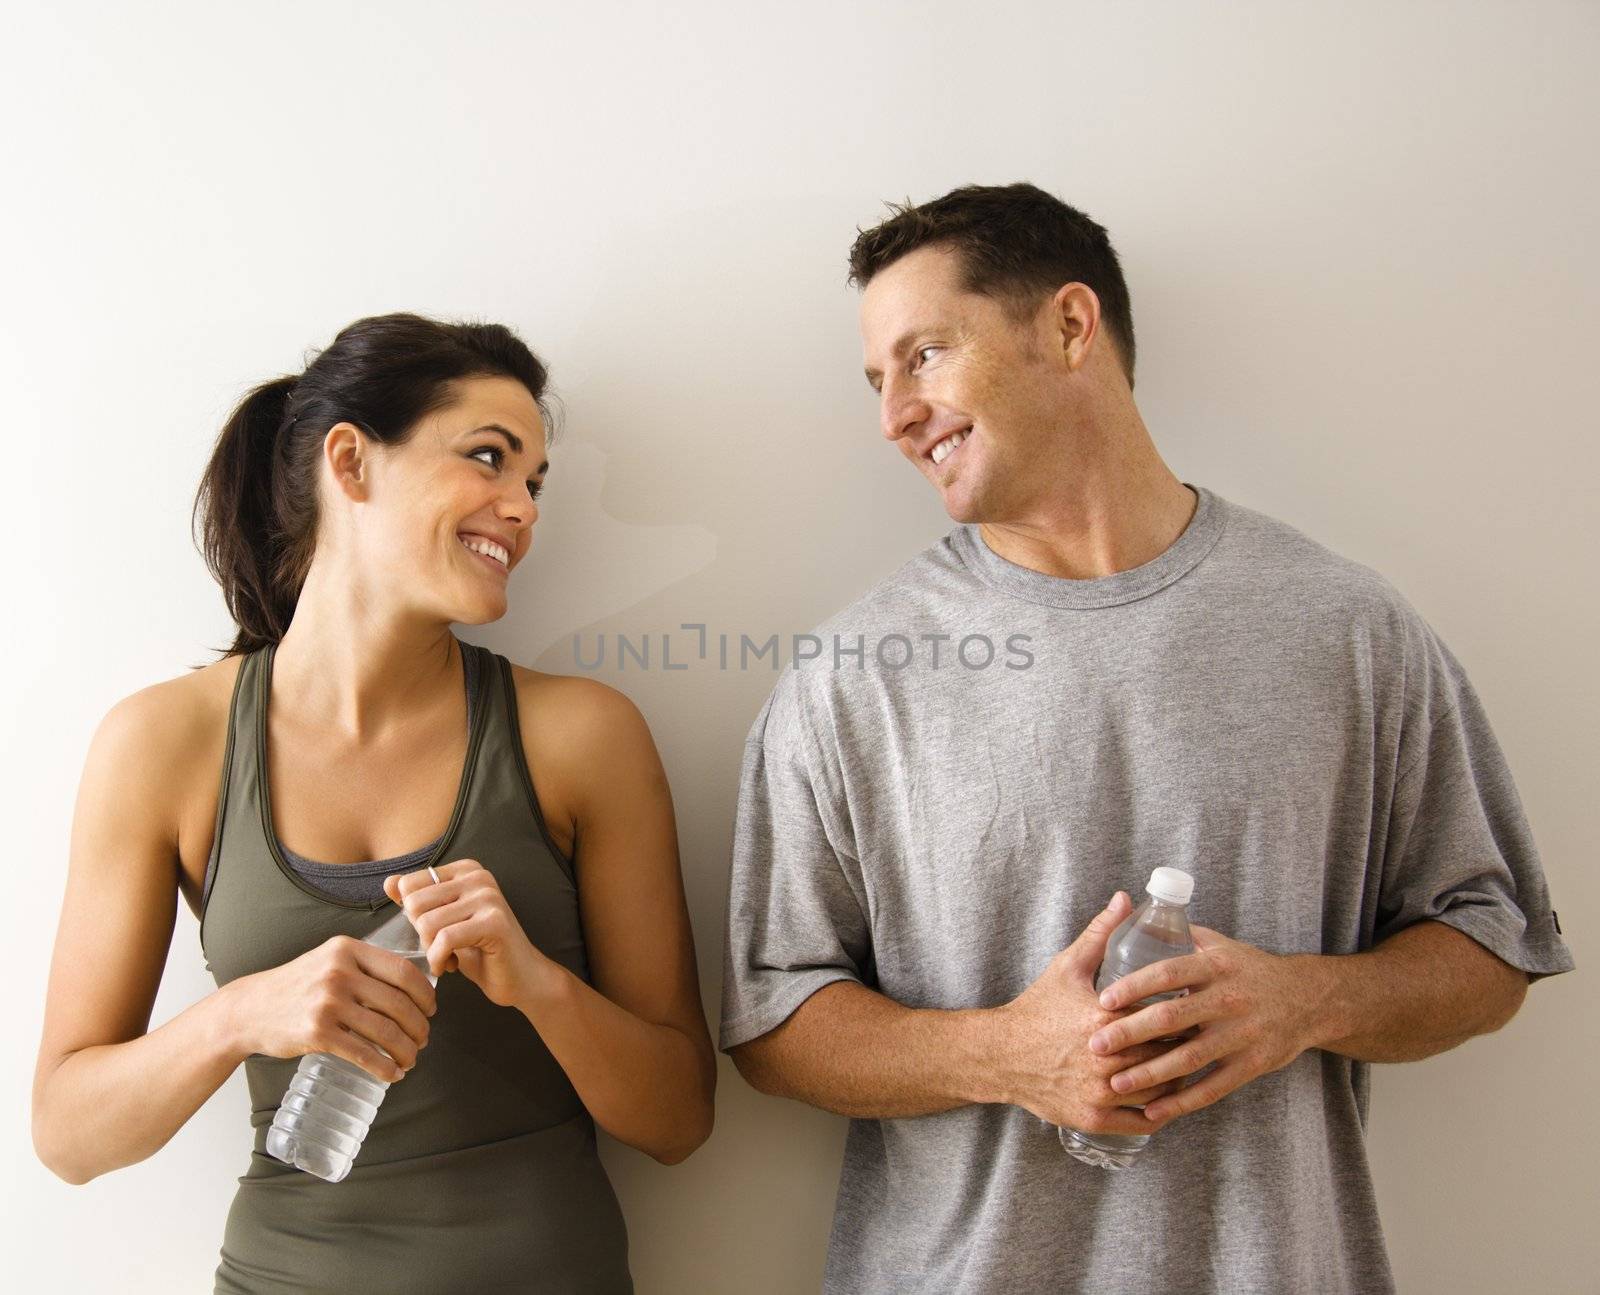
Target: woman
[352,514]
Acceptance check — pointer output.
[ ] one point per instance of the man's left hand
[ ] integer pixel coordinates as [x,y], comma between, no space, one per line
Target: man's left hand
[1246,1009]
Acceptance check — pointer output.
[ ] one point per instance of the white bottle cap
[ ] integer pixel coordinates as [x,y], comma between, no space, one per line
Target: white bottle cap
[1171,885]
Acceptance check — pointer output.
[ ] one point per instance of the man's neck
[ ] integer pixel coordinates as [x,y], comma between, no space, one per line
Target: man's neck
[1101,527]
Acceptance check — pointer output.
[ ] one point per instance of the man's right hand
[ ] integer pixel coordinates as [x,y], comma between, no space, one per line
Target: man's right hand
[1045,1061]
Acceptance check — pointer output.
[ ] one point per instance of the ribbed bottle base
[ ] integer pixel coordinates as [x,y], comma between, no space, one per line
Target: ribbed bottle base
[1107,1151]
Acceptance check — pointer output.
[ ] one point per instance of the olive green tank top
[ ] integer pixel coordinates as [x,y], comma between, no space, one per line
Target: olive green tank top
[480,1170]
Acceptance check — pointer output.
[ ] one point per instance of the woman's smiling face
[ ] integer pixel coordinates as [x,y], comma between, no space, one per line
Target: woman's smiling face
[458,498]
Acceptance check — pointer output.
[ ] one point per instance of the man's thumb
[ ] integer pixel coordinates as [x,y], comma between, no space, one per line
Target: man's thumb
[1087,951]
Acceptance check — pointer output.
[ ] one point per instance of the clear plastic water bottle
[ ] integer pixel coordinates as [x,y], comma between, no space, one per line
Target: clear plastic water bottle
[1156,930]
[331,1102]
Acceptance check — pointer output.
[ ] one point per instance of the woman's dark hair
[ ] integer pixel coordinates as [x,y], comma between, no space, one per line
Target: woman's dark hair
[258,497]
[1016,243]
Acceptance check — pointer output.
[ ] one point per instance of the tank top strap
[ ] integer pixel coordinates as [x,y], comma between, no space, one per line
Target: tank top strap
[504,783]
[240,722]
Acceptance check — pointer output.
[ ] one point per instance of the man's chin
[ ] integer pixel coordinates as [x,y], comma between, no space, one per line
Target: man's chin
[961,507]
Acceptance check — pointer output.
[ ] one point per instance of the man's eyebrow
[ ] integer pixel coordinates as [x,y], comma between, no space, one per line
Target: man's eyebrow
[903,341]
[512,439]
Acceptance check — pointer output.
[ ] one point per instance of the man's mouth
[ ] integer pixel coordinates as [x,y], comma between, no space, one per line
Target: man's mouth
[951,443]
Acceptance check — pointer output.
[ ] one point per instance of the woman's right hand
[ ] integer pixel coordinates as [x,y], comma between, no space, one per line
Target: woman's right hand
[342,997]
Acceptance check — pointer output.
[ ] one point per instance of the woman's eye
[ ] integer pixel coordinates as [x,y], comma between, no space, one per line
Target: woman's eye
[534,485]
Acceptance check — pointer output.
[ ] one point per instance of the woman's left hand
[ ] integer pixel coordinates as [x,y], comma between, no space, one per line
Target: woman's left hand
[466,925]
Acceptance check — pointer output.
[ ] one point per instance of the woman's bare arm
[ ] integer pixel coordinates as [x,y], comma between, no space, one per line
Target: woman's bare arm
[635,1045]
[105,1092]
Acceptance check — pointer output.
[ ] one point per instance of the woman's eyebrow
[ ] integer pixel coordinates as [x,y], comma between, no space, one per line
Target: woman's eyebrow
[512,439]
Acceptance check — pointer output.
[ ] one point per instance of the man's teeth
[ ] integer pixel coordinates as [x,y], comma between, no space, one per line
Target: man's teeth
[487,547]
[945,448]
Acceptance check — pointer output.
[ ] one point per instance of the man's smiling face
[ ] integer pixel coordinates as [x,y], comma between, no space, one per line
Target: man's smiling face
[971,396]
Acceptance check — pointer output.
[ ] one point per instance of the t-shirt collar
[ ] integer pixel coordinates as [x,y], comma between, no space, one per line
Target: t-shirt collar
[1181,556]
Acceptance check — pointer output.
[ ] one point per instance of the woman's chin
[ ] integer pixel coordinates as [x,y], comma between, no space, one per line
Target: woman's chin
[486,609]
[479,606]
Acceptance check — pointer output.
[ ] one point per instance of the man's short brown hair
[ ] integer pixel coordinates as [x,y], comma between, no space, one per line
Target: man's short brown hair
[1016,242]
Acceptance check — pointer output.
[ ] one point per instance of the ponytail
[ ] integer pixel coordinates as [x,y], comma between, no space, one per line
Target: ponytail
[242,537]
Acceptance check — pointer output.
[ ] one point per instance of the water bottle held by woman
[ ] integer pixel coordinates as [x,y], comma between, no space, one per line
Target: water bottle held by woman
[330,1103]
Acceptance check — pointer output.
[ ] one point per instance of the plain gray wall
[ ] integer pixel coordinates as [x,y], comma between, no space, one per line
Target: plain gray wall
[1360,244]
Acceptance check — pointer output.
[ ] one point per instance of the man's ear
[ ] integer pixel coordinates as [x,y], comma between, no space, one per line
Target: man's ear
[1074,321]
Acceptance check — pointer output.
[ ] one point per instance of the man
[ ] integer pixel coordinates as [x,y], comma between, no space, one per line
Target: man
[1171,679]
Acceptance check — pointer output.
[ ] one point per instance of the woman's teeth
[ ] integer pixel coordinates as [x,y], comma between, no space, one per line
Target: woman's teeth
[488,548]
[945,448]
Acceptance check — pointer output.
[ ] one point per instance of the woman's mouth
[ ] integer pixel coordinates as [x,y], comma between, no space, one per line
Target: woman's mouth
[486,552]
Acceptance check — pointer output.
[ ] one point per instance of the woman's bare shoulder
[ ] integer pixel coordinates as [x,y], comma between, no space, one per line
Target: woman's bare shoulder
[175,711]
[584,741]
[166,739]
[574,708]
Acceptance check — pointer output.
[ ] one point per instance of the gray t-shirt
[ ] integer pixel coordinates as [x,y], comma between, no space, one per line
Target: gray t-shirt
[1271,717]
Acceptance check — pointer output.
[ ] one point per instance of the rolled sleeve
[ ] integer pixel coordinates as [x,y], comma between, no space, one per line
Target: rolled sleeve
[796,919]
[1460,849]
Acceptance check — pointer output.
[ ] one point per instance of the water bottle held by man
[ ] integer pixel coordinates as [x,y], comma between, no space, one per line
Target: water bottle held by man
[1156,930]
[330,1103]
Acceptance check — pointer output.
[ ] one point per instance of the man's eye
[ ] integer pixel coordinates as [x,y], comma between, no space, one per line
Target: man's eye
[922,353]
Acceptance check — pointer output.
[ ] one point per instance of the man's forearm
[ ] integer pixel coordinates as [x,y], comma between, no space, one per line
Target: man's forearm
[1424,990]
[852,1051]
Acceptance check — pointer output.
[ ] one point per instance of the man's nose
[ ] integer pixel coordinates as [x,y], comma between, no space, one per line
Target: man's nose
[900,411]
